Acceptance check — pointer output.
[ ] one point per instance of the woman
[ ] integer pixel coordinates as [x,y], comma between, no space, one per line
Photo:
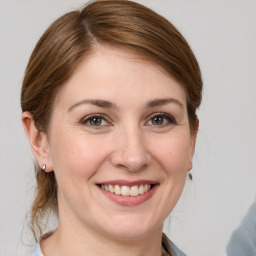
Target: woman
[109,105]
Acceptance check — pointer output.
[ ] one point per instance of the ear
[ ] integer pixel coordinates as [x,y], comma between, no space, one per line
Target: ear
[37,140]
[193,144]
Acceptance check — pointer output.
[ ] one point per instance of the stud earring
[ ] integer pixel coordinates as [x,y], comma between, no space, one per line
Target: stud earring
[43,168]
[190,176]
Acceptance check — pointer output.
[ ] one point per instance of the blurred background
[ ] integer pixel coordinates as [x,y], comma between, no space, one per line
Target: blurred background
[218,203]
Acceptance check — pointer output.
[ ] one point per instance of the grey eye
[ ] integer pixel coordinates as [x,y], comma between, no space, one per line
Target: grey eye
[161,120]
[95,121]
[158,120]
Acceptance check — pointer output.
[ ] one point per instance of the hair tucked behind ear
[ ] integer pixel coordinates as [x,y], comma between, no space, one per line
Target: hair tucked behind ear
[71,38]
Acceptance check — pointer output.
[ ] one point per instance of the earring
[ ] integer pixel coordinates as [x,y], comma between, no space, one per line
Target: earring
[190,176]
[43,168]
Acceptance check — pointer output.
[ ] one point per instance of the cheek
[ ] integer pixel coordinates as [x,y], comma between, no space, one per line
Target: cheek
[76,159]
[173,153]
[76,155]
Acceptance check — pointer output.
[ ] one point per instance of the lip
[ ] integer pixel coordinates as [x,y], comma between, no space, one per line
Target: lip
[129,200]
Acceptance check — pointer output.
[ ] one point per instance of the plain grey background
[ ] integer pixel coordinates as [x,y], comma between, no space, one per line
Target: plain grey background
[222,34]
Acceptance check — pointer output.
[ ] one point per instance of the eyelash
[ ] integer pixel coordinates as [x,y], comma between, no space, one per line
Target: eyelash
[89,118]
[169,119]
[165,118]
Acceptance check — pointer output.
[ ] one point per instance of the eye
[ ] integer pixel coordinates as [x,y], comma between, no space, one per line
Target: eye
[95,120]
[161,119]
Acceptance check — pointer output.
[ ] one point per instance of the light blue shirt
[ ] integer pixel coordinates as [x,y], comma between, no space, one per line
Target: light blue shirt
[36,251]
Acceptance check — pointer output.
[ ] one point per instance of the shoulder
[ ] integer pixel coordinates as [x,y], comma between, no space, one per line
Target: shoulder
[36,251]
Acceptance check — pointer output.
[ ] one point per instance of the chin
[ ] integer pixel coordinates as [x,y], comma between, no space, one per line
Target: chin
[132,228]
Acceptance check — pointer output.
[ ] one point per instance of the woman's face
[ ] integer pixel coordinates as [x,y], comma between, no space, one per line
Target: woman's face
[120,145]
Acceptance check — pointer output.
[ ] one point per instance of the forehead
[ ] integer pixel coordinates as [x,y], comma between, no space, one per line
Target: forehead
[117,72]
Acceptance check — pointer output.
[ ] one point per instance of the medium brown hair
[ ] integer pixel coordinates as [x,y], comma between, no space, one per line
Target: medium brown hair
[70,38]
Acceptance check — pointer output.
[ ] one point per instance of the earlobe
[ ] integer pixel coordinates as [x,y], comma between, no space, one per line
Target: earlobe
[193,143]
[37,140]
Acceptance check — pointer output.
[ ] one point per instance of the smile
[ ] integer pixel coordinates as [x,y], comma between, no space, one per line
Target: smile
[127,190]
[128,193]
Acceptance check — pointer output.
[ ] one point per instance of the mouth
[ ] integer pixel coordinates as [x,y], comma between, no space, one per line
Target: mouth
[128,193]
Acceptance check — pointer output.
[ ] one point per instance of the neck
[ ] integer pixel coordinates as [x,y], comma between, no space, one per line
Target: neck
[70,241]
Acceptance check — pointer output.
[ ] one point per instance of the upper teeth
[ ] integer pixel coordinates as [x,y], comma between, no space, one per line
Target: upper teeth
[126,190]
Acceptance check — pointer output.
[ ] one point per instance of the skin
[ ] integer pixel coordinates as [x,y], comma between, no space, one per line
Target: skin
[127,143]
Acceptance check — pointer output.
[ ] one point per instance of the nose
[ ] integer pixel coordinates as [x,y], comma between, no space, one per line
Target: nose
[130,151]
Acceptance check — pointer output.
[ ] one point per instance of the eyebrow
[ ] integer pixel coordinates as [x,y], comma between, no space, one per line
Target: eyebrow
[162,102]
[108,104]
[98,103]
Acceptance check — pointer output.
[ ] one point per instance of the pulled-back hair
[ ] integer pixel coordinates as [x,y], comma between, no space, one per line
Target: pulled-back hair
[69,39]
